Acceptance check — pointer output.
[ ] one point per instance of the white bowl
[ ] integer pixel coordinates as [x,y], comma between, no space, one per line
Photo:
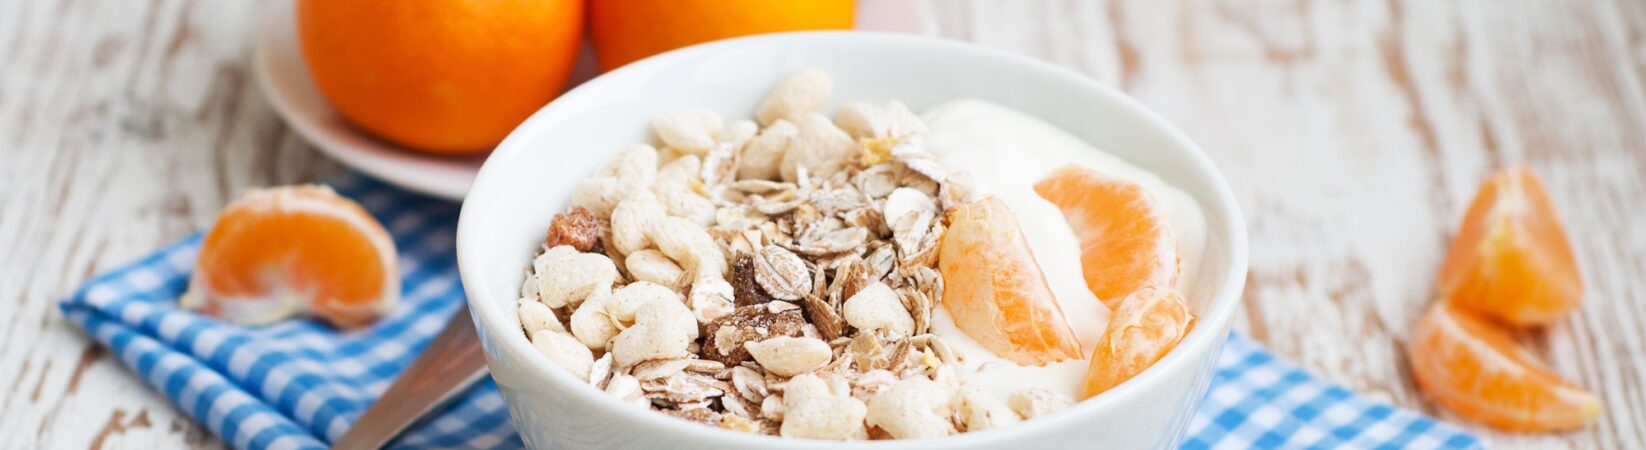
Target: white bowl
[528,178]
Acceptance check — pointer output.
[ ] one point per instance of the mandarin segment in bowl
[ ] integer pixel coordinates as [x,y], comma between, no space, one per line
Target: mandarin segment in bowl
[995,290]
[1472,366]
[1147,325]
[1511,260]
[295,249]
[1125,243]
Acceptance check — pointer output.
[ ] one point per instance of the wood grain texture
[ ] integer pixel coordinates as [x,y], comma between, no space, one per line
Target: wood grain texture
[1354,133]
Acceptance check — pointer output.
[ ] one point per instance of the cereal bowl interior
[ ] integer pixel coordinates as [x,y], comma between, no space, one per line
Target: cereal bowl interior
[531,176]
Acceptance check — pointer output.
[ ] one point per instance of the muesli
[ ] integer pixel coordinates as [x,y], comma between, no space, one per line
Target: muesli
[782,276]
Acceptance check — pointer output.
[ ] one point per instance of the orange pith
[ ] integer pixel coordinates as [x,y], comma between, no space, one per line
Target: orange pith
[1149,323]
[295,249]
[1511,260]
[995,291]
[1125,244]
[1472,366]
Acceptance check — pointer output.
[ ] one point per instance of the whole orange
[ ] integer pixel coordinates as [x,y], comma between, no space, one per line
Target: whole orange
[627,30]
[439,76]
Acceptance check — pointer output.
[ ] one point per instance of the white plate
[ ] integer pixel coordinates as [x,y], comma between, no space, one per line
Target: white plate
[280,70]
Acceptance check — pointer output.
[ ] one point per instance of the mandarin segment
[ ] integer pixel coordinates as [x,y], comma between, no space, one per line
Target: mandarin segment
[1511,260]
[1147,325]
[1472,366]
[295,249]
[1125,244]
[995,290]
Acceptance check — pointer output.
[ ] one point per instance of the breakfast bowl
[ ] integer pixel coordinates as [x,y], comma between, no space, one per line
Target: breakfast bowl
[530,178]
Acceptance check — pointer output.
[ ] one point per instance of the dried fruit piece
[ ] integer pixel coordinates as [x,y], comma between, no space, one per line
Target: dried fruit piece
[1511,260]
[995,290]
[1148,324]
[1125,244]
[295,249]
[745,289]
[576,227]
[724,337]
[1471,366]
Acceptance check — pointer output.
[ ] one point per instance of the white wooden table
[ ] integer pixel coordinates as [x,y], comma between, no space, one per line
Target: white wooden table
[1353,131]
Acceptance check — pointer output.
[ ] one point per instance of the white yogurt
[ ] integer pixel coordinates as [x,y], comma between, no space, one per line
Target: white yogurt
[1005,152]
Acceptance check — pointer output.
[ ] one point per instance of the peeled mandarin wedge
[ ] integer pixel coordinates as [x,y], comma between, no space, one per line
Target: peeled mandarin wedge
[295,249]
[995,291]
[1148,323]
[1471,366]
[1510,260]
[1125,244]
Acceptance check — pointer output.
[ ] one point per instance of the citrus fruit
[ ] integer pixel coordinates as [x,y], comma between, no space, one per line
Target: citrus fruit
[1511,260]
[1471,366]
[295,249]
[626,30]
[994,290]
[445,77]
[1148,323]
[1125,244]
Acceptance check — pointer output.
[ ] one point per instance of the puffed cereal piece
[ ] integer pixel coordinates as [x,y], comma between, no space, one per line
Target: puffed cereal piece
[674,190]
[631,218]
[565,277]
[599,195]
[635,166]
[565,351]
[763,157]
[592,325]
[980,410]
[535,317]
[738,133]
[914,407]
[865,120]
[643,342]
[1035,402]
[653,266]
[710,298]
[689,244]
[876,307]
[801,93]
[789,356]
[642,303]
[832,418]
[691,131]
[819,146]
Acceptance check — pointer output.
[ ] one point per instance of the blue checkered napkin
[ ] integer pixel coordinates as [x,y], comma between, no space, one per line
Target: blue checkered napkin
[299,384]
[1260,401]
[296,384]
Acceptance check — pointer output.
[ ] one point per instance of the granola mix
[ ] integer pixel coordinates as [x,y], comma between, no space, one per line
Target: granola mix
[775,277]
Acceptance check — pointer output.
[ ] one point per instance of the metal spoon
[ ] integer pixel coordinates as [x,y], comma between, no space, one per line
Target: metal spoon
[451,363]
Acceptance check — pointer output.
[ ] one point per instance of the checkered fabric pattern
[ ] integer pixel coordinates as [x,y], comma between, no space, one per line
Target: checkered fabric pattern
[298,384]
